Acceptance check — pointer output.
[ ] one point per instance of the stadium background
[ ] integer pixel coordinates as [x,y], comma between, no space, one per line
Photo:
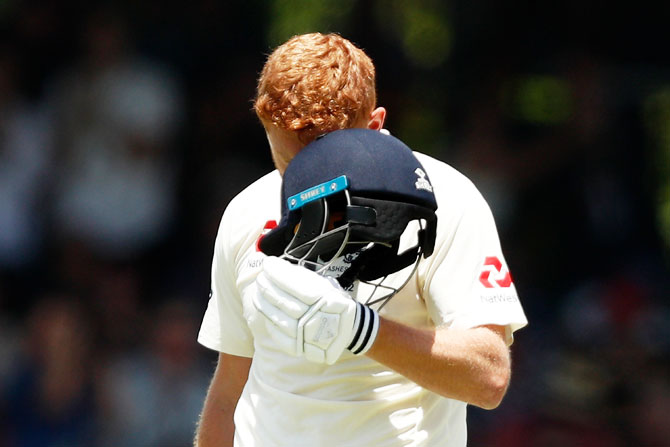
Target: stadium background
[126,127]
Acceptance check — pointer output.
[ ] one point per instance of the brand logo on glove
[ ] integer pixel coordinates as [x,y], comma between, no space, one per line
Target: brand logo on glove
[493,274]
[324,332]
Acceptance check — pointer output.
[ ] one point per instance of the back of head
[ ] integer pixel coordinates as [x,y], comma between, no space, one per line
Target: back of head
[314,84]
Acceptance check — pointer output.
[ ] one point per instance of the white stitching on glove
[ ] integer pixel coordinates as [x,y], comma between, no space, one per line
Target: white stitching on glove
[308,314]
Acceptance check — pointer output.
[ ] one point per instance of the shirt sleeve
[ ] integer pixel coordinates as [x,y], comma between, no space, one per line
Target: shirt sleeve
[224,327]
[468,282]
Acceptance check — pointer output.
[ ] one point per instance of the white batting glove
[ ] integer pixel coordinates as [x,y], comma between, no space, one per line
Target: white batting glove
[308,314]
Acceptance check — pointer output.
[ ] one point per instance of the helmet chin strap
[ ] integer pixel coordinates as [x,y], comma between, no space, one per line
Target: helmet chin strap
[318,265]
[369,260]
[393,290]
[345,279]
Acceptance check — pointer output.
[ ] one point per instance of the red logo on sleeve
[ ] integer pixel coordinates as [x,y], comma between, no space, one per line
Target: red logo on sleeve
[269,225]
[494,277]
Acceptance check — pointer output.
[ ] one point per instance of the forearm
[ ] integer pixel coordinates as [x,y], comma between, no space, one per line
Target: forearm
[470,365]
[216,426]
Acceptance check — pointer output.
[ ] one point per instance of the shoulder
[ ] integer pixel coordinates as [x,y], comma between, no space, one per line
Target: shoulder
[255,198]
[463,212]
[247,213]
[453,189]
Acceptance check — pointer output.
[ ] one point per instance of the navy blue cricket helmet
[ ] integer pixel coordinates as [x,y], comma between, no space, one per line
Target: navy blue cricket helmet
[352,193]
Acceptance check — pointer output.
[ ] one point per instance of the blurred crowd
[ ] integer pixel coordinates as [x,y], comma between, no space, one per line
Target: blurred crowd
[124,132]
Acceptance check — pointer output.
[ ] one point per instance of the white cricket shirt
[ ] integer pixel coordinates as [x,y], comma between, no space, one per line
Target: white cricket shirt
[290,401]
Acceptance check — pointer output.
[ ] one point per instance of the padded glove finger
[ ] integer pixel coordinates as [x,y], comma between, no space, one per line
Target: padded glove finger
[276,316]
[297,281]
[293,307]
[328,320]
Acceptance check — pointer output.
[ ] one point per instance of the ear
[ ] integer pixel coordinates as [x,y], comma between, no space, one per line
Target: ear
[377,118]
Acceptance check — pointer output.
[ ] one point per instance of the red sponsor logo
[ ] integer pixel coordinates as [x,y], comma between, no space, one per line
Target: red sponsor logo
[269,225]
[493,274]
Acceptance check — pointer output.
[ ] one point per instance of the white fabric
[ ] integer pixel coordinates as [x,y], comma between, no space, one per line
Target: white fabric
[289,401]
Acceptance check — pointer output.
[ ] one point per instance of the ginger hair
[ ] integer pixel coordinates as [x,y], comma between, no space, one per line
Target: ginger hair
[316,83]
